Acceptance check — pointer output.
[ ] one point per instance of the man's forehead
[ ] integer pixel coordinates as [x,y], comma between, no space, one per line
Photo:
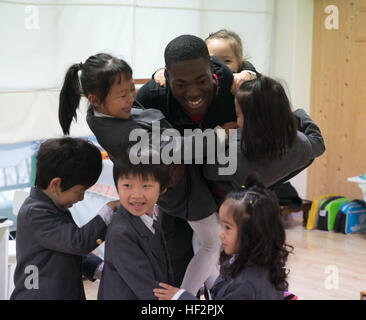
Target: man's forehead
[195,68]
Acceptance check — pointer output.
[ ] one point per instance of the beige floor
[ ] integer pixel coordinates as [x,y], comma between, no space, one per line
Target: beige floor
[323,266]
[319,256]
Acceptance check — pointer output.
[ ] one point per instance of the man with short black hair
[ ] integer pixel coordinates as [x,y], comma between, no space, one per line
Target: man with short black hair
[197,95]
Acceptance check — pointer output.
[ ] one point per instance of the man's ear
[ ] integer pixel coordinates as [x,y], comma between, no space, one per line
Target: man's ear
[55,185]
[93,100]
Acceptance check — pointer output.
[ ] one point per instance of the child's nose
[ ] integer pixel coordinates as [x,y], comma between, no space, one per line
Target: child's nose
[136,194]
[221,234]
[132,96]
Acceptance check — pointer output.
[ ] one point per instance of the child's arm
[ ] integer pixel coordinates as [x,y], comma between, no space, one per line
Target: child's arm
[151,95]
[235,291]
[240,77]
[239,290]
[92,266]
[167,292]
[307,126]
[58,232]
[195,145]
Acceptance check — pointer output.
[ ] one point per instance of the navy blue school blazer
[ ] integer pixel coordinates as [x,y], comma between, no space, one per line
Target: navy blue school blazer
[135,260]
[252,283]
[48,240]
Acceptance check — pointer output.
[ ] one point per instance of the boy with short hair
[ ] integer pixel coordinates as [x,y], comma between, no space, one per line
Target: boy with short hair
[49,243]
[136,257]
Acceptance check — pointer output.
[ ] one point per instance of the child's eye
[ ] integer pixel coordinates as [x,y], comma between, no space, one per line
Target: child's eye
[147,186]
[126,185]
[227,228]
[227,61]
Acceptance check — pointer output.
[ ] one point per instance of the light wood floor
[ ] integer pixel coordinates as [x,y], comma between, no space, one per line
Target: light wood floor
[317,254]
[317,258]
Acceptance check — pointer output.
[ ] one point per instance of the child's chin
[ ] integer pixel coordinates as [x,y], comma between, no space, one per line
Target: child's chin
[65,207]
[228,252]
[137,212]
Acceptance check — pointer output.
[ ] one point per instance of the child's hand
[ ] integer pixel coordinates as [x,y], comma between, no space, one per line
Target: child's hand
[229,125]
[239,78]
[159,77]
[114,205]
[166,292]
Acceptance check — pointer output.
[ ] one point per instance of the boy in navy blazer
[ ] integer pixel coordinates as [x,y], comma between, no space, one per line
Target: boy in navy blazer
[136,258]
[49,244]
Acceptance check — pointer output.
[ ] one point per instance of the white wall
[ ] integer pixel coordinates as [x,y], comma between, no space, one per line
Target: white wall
[40,39]
[293,31]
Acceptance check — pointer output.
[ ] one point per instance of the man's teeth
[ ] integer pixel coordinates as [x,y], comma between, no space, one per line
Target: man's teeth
[196,101]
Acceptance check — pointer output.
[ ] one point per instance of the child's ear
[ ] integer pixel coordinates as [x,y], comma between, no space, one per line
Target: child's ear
[163,191]
[93,100]
[55,185]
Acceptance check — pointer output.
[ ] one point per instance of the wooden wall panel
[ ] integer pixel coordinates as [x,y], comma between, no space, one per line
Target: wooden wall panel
[338,98]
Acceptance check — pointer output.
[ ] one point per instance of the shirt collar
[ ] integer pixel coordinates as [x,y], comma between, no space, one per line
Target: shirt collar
[100,115]
[233,258]
[148,221]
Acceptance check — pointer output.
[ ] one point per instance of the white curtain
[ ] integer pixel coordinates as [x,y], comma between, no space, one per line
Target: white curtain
[39,40]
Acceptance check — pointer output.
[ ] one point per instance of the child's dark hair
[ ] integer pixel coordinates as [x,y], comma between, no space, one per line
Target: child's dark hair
[124,167]
[270,127]
[261,234]
[185,47]
[98,74]
[74,160]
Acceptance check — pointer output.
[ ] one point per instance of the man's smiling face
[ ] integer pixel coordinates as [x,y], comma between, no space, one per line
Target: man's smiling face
[192,84]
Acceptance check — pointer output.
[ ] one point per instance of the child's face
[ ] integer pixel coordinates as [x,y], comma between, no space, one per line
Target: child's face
[138,196]
[229,230]
[192,84]
[118,102]
[66,199]
[222,49]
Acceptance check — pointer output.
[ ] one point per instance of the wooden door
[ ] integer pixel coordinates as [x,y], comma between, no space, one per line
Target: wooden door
[338,97]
